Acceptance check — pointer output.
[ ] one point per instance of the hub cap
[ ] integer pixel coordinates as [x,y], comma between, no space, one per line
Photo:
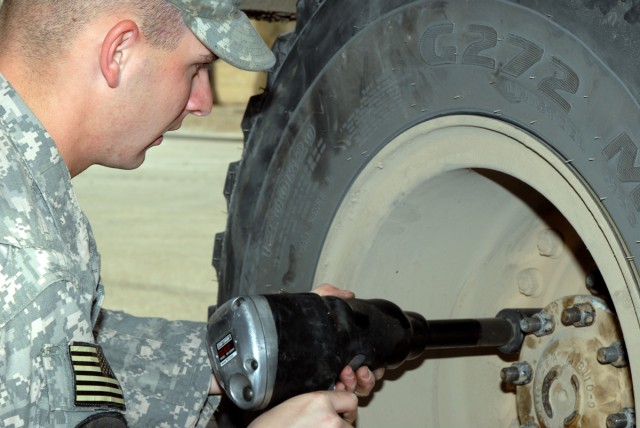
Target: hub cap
[570,387]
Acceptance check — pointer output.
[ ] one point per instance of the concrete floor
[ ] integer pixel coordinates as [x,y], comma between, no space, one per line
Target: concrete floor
[155,226]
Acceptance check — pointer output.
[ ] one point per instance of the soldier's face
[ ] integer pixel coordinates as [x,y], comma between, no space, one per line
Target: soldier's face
[169,86]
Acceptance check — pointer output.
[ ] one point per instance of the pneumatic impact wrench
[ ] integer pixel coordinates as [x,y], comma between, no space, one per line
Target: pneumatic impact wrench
[265,349]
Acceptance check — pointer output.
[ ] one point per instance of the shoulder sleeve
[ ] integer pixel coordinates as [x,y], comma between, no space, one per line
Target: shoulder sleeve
[163,368]
[45,379]
[24,274]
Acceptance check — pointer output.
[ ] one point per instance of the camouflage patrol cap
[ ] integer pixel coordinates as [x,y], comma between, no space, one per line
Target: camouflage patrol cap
[227,32]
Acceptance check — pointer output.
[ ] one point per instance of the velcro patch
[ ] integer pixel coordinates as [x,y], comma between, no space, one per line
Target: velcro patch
[95,383]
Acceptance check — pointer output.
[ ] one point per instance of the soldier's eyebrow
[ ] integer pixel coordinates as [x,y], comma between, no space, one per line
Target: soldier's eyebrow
[208,58]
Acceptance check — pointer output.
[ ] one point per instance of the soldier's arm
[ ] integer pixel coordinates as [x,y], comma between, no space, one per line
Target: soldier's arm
[163,367]
[51,371]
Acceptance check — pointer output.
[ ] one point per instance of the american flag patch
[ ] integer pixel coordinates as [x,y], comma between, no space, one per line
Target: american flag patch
[95,383]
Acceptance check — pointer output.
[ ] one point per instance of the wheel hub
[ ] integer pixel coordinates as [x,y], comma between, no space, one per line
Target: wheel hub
[577,377]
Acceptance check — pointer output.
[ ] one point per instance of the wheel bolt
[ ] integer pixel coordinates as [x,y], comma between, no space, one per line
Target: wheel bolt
[579,315]
[608,355]
[539,324]
[519,373]
[530,324]
[550,243]
[529,282]
[613,355]
[571,315]
[626,418]
[595,283]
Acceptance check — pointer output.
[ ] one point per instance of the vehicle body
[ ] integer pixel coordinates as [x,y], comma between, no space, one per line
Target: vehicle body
[457,157]
[258,9]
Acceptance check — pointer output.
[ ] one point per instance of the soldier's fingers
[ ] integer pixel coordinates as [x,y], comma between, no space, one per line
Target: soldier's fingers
[350,417]
[330,290]
[378,373]
[343,402]
[365,382]
[348,381]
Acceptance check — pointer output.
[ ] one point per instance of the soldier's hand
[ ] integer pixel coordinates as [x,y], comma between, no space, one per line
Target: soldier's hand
[330,409]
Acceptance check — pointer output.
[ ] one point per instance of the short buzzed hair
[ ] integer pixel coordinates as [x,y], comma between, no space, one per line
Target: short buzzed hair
[44,27]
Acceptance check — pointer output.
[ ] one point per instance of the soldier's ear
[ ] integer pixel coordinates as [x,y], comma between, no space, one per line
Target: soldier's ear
[115,50]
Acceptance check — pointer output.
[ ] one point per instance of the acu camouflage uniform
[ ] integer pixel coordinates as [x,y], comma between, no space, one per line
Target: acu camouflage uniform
[55,340]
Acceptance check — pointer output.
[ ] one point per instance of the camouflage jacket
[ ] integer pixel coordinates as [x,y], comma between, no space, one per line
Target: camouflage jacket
[62,357]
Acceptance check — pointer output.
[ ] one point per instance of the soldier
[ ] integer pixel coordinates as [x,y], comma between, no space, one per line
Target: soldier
[86,82]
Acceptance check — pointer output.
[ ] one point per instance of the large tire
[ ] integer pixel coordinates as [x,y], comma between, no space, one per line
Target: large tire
[419,150]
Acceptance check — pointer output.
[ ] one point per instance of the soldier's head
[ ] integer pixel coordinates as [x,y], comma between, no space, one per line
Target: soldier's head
[43,28]
[121,72]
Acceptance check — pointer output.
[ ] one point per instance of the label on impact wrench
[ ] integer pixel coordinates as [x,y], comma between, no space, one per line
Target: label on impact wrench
[226,349]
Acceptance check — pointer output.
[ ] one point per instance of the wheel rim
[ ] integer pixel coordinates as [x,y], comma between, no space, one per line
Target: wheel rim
[444,220]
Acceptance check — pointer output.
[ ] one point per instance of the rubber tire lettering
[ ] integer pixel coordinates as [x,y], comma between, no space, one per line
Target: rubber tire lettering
[626,172]
[529,55]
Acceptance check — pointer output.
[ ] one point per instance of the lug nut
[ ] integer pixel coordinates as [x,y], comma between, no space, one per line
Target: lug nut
[530,324]
[608,355]
[614,355]
[579,315]
[595,283]
[571,315]
[519,373]
[529,282]
[540,324]
[626,418]
[550,243]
